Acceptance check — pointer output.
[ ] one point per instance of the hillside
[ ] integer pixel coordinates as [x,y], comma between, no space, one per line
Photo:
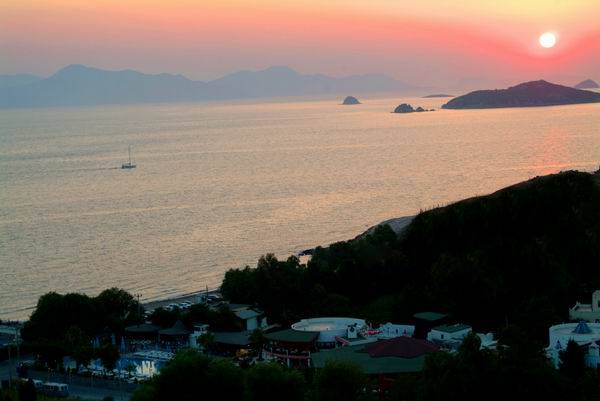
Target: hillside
[522,255]
[587,84]
[528,94]
[78,85]
[435,95]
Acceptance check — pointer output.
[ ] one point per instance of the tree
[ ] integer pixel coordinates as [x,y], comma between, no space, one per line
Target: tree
[572,361]
[271,382]
[130,368]
[257,340]
[65,324]
[207,341]
[5,396]
[343,381]
[226,380]
[109,355]
[164,318]
[119,308]
[189,371]
[83,355]
[26,391]
[78,345]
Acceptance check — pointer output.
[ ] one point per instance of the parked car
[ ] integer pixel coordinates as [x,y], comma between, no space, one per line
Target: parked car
[55,389]
[213,298]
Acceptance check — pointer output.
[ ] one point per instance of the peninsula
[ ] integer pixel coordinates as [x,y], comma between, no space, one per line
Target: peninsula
[528,94]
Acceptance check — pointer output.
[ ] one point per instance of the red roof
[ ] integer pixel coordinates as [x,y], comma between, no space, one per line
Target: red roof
[400,347]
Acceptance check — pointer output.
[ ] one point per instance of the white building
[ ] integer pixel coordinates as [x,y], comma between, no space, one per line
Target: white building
[587,312]
[449,332]
[199,330]
[586,335]
[451,336]
[330,329]
[390,330]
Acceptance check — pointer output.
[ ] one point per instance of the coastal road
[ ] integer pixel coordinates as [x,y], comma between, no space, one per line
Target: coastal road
[81,389]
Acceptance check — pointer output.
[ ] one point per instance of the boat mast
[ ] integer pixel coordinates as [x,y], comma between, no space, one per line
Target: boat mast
[130,155]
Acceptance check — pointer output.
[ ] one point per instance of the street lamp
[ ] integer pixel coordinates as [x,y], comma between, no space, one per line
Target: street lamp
[138,296]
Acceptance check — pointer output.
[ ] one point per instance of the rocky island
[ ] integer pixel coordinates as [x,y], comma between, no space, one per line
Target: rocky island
[587,84]
[350,100]
[407,108]
[528,94]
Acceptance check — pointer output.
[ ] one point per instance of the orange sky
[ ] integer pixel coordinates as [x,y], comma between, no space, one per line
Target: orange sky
[425,41]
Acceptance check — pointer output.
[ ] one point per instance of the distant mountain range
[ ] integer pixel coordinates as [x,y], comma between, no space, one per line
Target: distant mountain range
[587,84]
[528,94]
[78,85]
[6,81]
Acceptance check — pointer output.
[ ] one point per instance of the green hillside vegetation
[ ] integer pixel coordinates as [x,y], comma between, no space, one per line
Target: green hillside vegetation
[190,374]
[521,256]
[66,325]
[515,372]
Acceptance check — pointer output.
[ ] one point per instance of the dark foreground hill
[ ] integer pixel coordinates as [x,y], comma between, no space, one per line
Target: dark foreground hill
[521,256]
[528,94]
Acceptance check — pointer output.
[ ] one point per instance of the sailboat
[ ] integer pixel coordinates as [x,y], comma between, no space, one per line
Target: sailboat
[128,164]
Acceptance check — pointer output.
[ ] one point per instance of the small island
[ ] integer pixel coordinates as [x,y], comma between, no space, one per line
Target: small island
[587,84]
[437,95]
[528,94]
[407,108]
[350,100]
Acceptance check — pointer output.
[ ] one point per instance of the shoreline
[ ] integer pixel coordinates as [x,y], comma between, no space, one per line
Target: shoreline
[397,224]
[192,297]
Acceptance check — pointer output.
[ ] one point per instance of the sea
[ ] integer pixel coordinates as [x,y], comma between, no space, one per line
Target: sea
[217,185]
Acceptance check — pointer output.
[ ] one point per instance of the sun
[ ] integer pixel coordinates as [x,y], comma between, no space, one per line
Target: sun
[547,40]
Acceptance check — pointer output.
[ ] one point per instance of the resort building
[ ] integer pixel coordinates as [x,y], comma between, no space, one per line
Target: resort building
[332,330]
[586,335]
[384,359]
[295,346]
[450,336]
[390,330]
[230,342]
[444,332]
[199,331]
[292,347]
[176,336]
[395,355]
[587,312]
[250,318]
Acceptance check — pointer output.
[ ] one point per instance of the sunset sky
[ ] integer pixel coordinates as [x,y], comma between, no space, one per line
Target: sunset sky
[426,42]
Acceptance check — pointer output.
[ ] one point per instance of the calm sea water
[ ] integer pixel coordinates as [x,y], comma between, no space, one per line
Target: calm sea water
[218,185]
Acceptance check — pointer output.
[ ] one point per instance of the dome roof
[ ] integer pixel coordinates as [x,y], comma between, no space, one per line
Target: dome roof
[582,328]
